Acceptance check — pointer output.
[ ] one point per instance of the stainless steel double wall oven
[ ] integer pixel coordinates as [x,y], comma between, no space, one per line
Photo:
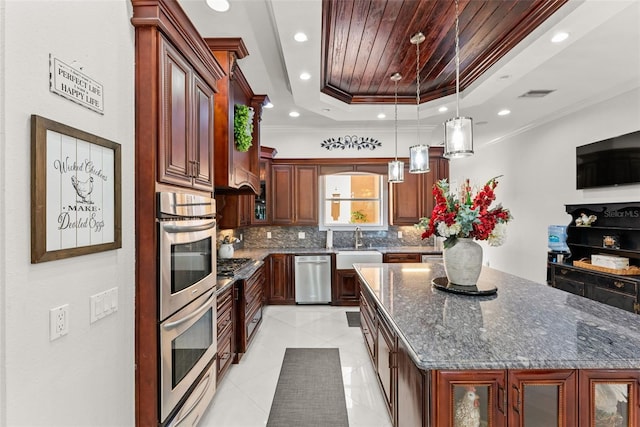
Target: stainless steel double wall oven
[187,305]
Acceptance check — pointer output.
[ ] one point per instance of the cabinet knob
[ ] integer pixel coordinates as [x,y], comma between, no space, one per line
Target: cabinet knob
[618,284]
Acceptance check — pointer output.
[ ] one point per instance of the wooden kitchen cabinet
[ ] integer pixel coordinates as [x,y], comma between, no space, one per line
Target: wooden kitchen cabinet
[611,398]
[413,199]
[185,152]
[281,283]
[261,203]
[294,194]
[250,302]
[233,210]
[226,331]
[401,257]
[509,397]
[235,171]
[386,363]
[346,289]
[412,404]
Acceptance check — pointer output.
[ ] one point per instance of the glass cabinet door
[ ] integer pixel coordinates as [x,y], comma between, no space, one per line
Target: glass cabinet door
[542,398]
[612,398]
[470,398]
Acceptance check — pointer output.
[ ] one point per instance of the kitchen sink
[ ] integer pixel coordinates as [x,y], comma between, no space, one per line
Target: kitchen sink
[345,259]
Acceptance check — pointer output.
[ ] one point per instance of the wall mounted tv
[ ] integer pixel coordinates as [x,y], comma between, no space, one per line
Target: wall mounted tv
[613,161]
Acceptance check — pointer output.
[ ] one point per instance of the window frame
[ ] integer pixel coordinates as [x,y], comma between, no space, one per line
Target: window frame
[384,205]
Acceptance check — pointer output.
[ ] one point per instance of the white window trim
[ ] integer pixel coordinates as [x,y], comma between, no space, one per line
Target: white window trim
[322,226]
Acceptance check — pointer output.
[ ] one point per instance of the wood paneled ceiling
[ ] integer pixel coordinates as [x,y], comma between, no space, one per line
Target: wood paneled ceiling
[366,41]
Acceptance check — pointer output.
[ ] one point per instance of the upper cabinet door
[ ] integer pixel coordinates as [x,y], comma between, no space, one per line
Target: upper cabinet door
[282,194]
[306,195]
[203,138]
[185,152]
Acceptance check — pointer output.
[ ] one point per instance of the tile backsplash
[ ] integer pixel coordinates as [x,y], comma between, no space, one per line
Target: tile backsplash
[311,237]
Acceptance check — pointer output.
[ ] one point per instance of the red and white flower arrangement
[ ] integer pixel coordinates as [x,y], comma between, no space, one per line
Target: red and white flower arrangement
[465,215]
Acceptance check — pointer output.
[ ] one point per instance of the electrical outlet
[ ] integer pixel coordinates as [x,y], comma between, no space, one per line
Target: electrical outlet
[241,237]
[301,235]
[399,234]
[268,234]
[58,322]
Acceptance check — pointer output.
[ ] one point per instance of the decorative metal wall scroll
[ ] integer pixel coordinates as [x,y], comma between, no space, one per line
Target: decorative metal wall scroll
[351,141]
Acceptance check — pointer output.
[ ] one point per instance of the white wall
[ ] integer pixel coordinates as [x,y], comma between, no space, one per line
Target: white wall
[296,143]
[539,169]
[87,377]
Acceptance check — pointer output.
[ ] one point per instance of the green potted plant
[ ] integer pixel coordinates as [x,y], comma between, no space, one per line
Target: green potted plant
[243,126]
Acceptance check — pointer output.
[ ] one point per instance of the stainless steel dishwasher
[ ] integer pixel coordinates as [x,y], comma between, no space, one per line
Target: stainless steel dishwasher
[313,279]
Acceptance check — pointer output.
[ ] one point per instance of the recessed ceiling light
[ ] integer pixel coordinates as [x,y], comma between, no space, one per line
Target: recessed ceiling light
[218,5]
[300,37]
[504,112]
[559,37]
[305,76]
[294,114]
[382,115]
[326,110]
[443,109]
[504,77]
[268,105]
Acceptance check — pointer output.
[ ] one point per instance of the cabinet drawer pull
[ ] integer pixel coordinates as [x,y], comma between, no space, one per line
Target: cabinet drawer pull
[563,271]
[618,284]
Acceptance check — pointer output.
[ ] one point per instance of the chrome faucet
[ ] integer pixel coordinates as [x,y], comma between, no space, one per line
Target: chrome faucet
[358,238]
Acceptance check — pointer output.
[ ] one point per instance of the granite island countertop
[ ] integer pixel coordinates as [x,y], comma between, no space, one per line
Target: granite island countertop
[526,325]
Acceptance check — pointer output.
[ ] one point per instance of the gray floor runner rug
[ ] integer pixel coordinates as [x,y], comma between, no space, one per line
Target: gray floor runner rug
[310,392]
[353,319]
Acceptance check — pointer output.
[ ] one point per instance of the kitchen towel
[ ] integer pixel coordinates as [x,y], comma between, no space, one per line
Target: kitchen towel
[310,391]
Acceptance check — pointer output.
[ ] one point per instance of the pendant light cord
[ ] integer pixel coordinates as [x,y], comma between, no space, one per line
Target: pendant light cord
[418,92]
[395,120]
[457,66]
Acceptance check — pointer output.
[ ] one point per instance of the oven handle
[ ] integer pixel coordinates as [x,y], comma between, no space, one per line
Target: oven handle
[195,404]
[200,309]
[187,228]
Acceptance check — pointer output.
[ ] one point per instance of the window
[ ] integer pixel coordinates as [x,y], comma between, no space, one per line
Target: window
[352,200]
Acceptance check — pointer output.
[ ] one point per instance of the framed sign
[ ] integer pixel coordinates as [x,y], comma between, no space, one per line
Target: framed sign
[75,192]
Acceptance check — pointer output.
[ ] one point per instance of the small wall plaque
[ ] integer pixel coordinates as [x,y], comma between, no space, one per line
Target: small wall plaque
[72,84]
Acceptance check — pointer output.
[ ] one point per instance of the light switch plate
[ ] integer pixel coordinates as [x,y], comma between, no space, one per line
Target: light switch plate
[399,234]
[301,235]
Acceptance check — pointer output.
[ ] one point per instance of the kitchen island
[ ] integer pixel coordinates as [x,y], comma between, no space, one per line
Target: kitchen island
[529,355]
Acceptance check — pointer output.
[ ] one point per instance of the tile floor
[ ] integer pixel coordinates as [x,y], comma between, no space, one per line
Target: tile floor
[244,396]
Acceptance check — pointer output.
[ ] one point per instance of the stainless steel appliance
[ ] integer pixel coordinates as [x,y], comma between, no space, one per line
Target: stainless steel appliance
[313,279]
[431,258]
[188,346]
[187,305]
[187,248]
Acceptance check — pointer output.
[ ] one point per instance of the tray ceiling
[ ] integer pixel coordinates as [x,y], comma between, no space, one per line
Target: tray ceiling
[365,41]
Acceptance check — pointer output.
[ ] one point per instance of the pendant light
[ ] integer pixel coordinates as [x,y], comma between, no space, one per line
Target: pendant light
[458,132]
[396,167]
[418,154]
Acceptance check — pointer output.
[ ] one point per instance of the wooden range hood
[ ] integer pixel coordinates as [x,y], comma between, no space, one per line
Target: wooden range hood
[235,172]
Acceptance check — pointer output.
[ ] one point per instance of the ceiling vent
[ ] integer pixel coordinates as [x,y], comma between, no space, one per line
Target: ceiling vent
[537,93]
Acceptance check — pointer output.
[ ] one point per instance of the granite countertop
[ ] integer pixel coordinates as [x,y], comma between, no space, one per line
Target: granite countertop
[526,325]
[262,253]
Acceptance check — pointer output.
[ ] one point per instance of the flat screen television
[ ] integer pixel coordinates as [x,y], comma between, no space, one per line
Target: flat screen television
[610,162]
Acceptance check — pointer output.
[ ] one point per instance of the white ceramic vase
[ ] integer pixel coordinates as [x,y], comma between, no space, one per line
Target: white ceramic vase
[463,262]
[225,251]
